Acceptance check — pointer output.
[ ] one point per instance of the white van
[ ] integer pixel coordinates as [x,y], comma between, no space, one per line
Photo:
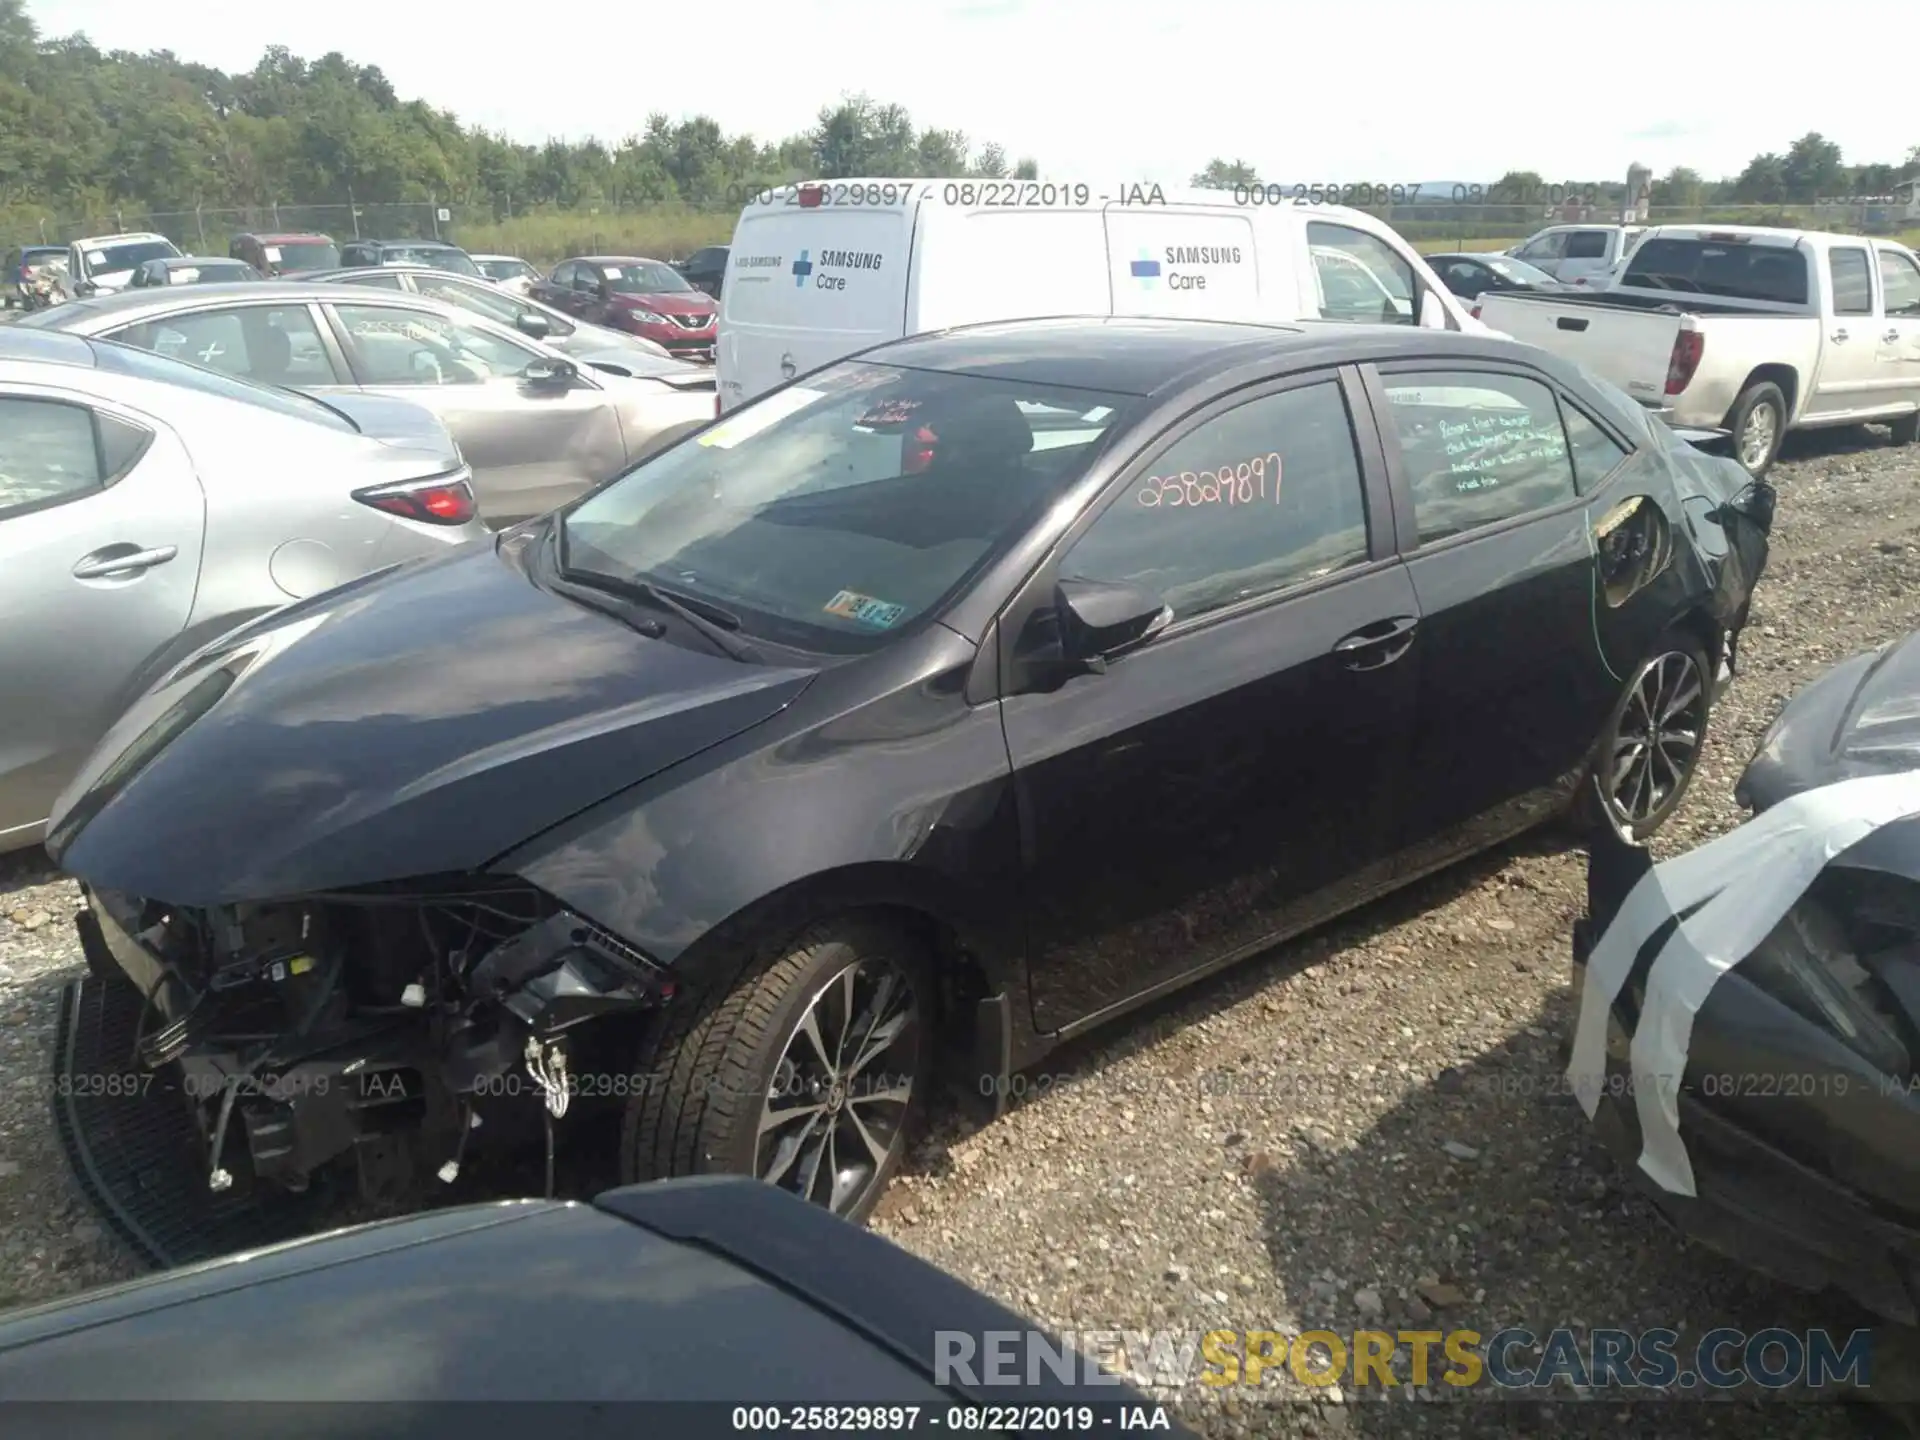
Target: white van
[819,271]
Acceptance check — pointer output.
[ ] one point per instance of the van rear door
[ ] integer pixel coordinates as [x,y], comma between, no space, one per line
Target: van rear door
[1200,263]
[813,274]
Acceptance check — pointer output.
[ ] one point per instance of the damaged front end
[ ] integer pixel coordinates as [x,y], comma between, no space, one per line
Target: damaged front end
[376,1029]
[1748,1043]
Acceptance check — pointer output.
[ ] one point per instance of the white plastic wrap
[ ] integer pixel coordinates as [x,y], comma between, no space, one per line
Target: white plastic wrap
[1748,879]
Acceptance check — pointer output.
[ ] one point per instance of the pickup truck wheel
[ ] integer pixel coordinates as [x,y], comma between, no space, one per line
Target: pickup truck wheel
[1759,420]
[811,1072]
[1651,746]
[1906,430]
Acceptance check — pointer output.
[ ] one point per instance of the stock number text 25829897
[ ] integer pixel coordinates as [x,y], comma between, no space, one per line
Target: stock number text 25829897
[1235,483]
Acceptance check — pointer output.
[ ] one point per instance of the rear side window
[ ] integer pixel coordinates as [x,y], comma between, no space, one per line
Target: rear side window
[1596,454]
[1852,282]
[1900,283]
[1587,245]
[52,452]
[1362,279]
[1478,448]
[1738,270]
[1259,498]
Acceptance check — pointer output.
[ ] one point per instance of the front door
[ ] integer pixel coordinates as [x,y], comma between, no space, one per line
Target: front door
[532,446]
[1512,693]
[101,521]
[1214,787]
[1898,345]
[1848,380]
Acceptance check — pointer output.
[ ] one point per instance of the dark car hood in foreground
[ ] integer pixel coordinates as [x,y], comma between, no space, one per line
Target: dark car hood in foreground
[1862,717]
[421,722]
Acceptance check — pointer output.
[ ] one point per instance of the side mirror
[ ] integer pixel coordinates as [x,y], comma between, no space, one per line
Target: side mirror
[1100,619]
[1756,504]
[86,287]
[534,324]
[550,374]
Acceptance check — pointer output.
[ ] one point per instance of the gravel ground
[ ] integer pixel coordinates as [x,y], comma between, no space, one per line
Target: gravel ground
[1363,1130]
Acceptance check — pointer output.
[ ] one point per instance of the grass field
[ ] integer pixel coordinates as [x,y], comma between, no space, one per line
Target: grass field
[674,233]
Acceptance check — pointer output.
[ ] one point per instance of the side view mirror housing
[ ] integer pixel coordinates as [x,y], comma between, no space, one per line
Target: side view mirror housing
[1756,503]
[86,287]
[1101,619]
[550,374]
[534,324]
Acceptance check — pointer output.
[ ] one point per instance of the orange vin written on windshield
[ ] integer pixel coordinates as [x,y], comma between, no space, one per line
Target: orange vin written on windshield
[1236,483]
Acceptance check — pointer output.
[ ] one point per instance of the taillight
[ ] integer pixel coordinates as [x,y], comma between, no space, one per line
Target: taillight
[439,500]
[1688,347]
[917,454]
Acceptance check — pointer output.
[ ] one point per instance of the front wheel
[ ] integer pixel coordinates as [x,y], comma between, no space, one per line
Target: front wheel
[1651,746]
[811,1073]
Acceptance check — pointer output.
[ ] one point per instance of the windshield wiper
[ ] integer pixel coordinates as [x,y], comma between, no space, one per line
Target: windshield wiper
[711,621]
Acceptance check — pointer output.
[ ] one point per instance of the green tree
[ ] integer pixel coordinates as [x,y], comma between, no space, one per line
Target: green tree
[1763,182]
[1680,187]
[1812,168]
[1225,174]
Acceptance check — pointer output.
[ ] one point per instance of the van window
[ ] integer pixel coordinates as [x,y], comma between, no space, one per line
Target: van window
[837,511]
[1362,278]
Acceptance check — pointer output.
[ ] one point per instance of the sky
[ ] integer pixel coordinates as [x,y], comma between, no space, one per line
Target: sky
[1362,91]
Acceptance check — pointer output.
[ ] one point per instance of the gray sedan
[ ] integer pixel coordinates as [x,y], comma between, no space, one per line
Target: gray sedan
[537,427]
[147,507]
[605,349]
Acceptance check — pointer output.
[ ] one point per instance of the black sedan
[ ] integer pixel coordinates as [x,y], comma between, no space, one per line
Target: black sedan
[1758,1069]
[192,270]
[1472,275]
[723,1306]
[938,706]
[706,268]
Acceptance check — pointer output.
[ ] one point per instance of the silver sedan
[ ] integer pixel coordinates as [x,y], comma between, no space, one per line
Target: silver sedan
[603,348]
[538,427]
[147,507]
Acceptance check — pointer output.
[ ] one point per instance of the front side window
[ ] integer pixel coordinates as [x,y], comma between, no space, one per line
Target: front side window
[1550,246]
[1362,279]
[835,512]
[1262,497]
[395,346]
[47,454]
[1477,448]
[271,344]
[1900,283]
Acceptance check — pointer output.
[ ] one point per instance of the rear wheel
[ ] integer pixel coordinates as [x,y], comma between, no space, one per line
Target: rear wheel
[811,1073]
[1759,421]
[1651,746]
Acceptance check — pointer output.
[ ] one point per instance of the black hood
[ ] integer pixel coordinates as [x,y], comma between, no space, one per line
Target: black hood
[1860,718]
[421,722]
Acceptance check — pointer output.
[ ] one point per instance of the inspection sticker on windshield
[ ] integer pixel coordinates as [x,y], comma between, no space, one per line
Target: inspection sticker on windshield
[612,272]
[865,609]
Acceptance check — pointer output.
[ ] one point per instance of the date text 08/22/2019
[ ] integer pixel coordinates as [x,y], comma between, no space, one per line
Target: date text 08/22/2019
[1070,195]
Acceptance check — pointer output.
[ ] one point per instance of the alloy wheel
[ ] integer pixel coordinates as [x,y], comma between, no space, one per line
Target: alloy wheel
[1757,436]
[836,1111]
[1658,737]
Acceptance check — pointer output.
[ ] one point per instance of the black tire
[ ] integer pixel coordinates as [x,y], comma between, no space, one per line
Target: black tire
[1600,802]
[1761,397]
[724,1059]
[1906,430]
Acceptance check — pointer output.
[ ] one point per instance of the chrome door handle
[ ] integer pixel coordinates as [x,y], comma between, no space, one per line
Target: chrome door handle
[1839,337]
[100,568]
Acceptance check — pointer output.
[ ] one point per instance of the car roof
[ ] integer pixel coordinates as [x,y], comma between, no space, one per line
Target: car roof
[1152,356]
[618,260]
[47,347]
[283,237]
[124,235]
[253,292]
[411,244]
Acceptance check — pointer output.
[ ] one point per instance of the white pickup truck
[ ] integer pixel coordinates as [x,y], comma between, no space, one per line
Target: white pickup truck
[1579,254]
[1745,333]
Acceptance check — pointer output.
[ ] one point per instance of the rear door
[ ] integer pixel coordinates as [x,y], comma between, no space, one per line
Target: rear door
[809,283]
[532,446]
[101,528]
[1852,369]
[1588,255]
[1512,694]
[1185,261]
[1898,345]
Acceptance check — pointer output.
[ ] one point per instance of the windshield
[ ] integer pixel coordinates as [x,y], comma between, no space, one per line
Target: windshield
[505,269]
[435,257]
[831,514]
[644,277]
[1517,270]
[121,359]
[106,259]
[1736,269]
[303,255]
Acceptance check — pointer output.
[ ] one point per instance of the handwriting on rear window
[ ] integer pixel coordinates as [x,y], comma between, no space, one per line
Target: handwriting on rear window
[1483,450]
[1238,482]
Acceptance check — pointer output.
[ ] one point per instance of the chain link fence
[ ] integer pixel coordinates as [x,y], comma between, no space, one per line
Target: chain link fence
[208,231]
